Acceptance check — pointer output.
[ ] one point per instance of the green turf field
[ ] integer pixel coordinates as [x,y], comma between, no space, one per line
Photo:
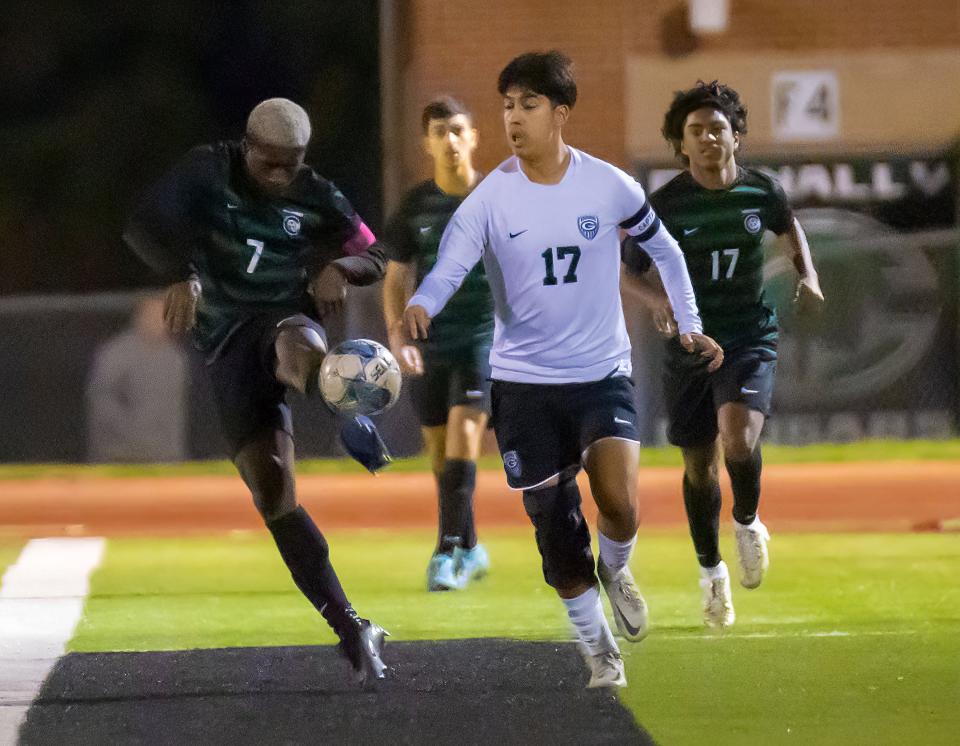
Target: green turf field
[853,638]
[865,450]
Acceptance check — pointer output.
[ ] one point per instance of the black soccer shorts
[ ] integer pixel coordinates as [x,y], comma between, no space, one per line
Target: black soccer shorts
[544,429]
[451,380]
[249,399]
[693,395]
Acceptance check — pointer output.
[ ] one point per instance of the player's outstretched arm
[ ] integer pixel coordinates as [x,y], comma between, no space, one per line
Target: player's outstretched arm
[706,346]
[808,284]
[180,305]
[416,322]
[648,289]
[329,289]
[397,289]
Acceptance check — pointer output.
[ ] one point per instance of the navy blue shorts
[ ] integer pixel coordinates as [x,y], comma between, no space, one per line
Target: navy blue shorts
[449,381]
[248,397]
[693,395]
[544,429]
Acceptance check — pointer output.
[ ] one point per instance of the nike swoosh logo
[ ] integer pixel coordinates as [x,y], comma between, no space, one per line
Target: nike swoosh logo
[690,231]
[425,229]
[622,422]
[630,628]
[231,206]
[744,390]
[514,235]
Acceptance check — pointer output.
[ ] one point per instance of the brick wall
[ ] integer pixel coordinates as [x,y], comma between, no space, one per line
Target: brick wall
[459,47]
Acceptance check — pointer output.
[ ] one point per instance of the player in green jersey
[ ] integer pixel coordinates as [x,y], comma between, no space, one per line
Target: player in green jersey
[449,371]
[718,211]
[258,249]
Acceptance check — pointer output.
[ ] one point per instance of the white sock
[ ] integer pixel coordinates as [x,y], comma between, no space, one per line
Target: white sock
[615,554]
[587,617]
[712,573]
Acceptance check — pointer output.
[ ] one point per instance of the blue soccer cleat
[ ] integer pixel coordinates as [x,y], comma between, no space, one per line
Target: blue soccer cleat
[362,441]
[471,564]
[442,573]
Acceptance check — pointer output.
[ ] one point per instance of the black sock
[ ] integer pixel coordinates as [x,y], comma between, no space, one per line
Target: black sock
[745,478]
[457,482]
[307,555]
[703,515]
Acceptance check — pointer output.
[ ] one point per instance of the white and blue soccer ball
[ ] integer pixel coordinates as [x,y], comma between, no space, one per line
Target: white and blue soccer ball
[359,376]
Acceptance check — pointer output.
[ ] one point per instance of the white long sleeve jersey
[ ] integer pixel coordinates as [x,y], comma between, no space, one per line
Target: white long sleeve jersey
[552,257]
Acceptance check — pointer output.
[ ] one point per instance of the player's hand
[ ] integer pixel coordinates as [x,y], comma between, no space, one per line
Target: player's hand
[416,322]
[808,294]
[180,305]
[663,319]
[705,346]
[329,290]
[408,355]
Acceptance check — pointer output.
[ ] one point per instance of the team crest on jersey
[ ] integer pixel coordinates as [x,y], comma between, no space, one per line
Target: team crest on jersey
[291,221]
[588,225]
[291,224]
[752,223]
[511,462]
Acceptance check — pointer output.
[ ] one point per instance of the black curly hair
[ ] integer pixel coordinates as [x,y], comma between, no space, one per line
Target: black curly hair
[715,95]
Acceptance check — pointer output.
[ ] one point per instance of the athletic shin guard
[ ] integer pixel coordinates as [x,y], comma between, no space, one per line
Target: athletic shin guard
[307,555]
[457,483]
[703,515]
[745,478]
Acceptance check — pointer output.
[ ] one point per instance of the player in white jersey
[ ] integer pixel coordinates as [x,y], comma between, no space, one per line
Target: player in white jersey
[546,225]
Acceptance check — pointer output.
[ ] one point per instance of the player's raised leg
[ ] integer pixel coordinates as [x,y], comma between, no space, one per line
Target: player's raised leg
[701,498]
[740,428]
[612,464]
[300,346]
[465,427]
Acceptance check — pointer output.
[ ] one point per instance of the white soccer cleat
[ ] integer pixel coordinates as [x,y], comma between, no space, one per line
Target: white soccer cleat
[752,548]
[606,668]
[717,599]
[629,609]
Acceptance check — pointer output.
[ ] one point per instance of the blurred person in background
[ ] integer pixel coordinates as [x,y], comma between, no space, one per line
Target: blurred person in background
[136,392]
[259,248]
[449,371]
[719,212]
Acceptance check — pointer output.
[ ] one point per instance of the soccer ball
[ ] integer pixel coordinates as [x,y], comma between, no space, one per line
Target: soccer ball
[359,376]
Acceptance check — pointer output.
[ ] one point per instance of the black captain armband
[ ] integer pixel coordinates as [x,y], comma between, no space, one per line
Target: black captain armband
[635,259]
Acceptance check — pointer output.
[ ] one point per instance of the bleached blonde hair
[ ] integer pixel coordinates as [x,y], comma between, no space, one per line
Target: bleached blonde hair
[280,123]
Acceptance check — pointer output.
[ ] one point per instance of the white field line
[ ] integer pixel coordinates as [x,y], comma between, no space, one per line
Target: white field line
[774,635]
[41,601]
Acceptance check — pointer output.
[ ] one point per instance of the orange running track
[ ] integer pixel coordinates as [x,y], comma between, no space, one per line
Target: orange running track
[863,497]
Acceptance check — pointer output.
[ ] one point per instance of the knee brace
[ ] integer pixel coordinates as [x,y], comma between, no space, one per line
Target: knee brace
[562,533]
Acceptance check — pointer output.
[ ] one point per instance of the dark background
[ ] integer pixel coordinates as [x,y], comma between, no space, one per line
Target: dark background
[100,97]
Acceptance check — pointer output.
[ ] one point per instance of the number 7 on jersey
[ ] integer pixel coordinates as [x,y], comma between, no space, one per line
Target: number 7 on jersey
[258,250]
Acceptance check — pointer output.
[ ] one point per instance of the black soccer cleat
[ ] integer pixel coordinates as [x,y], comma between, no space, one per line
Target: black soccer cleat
[362,441]
[361,643]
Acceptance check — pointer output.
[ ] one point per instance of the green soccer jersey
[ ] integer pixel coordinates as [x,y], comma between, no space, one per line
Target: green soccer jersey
[720,232]
[413,235]
[252,253]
